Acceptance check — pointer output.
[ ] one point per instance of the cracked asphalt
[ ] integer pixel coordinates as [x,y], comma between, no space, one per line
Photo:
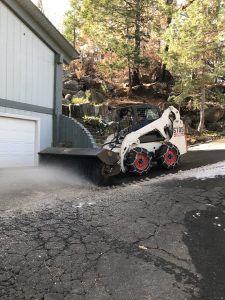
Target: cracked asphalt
[144,241]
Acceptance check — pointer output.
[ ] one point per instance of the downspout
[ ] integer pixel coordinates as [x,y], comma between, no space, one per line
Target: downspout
[58,85]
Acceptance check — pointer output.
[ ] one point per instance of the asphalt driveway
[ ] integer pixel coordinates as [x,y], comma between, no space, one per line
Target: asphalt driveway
[151,240]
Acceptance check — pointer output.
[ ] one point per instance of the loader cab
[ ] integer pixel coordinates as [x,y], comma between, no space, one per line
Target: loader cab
[132,118]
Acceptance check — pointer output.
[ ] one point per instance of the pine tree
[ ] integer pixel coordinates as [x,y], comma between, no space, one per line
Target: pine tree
[195,53]
[72,22]
[121,27]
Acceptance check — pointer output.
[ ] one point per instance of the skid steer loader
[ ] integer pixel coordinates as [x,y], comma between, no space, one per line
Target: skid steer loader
[142,136]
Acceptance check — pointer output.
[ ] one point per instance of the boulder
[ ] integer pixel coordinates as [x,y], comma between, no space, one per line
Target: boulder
[138,89]
[90,82]
[67,75]
[222,134]
[145,78]
[214,114]
[72,85]
[110,87]
[68,97]
[126,83]
[65,101]
[195,125]
[214,127]
[160,88]
[66,91]
[79,95]
[122,92]
[96,96]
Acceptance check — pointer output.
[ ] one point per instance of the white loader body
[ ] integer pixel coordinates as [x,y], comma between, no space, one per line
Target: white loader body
[162,126]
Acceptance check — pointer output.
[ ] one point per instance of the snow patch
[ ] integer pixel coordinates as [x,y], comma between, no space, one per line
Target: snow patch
[208,146]
[208,171]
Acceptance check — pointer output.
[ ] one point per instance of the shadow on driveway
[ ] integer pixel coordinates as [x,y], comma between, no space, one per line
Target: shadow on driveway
[206,243]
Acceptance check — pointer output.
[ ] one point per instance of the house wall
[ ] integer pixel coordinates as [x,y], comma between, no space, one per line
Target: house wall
[27,64]
[27,74]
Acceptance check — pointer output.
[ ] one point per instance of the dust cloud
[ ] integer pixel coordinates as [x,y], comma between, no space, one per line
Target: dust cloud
[38,179]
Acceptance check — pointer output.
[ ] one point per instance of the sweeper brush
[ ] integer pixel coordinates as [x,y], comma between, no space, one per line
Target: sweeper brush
[142,136]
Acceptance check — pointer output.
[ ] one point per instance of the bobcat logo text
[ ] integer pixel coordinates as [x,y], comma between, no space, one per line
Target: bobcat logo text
[178,131]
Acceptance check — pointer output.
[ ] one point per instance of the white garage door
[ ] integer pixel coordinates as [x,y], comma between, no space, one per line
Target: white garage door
[17,142]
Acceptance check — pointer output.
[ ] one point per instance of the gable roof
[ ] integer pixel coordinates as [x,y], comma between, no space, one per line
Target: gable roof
[42,27]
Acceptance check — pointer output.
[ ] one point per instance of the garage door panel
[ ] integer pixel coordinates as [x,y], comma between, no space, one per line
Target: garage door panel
[9,137]
[16,148]
[17,142]
[24,161]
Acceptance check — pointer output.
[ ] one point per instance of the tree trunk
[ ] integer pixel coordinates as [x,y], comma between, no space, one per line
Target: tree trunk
[137,41]
[202,110]
[129,76]
[136,77]
[163,66]
[129,66]
[162,73]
